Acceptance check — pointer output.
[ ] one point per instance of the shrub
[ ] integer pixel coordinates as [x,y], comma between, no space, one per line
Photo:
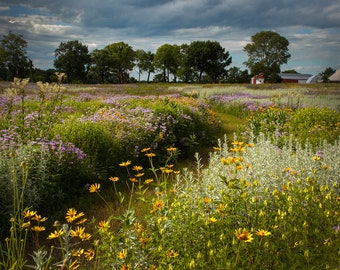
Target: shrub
[315,125]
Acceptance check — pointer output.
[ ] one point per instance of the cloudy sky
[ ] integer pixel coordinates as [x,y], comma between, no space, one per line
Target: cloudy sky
[311,26]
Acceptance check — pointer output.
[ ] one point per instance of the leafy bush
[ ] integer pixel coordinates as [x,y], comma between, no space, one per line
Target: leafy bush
[315,125]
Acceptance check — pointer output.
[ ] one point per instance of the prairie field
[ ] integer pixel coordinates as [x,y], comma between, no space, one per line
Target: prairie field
[169,176]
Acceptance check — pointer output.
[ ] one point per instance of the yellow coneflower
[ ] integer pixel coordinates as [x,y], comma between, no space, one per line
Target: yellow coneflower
[243,235]
[172,254]
[212,220]
[38,218]
[158,205]
[94,187]
[55,234]
[122,254]
[72,215]
[29,214]
[125,164]
[148,181]
[263,233]
[114,179]
[38,228]
[171,149]
[89,254]
[77,232]
[137,168]
[103,225]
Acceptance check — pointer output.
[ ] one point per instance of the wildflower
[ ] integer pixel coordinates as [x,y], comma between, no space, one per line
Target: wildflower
[89,254]
[145,150]
[114,179]
[26,224]
[85,236]
[243,235]
[72,215]
[125,164]
[55,234]
[81,221]
[73,266]
[103,225]
[217,148]
[78,252]
[148,181]
[150,155]
[38,228]
[77,232]
[316,158]
[125,267]
[327,242]
[206,200]
[94,187]
[38,218]
[171,149]
[158,205]
[139,174]
[172,254]
[137,168]
[134,180]
[122,254]
[176,172]
[29,214]
[212,220]
[263,233]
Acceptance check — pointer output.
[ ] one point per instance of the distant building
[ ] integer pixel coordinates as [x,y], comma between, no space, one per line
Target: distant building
[315,79]
[335,77]
[257,79]
[294,78]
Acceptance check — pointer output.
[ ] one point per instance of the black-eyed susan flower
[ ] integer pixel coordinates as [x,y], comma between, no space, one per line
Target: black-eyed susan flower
[145,149]
[244,235]
[212,220]
[206,200]
[114,179]
[172,254]
[125,164]
[77,232]
[171,149]
[55,234]
[158,205]
[72,215]
[29,214]
[38,228]
[78,252]
[263,233]
[94,187]
[103,225]
[122,254]
[148,181]
[26,224]
[85,236]
[125,267]
[38,218]
[89,254]
[150,155]
[137,168]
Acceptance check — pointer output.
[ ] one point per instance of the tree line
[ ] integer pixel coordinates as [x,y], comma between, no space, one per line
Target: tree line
[198,62]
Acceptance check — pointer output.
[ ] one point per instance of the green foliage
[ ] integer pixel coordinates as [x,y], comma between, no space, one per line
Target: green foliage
[314,125]
[266,53]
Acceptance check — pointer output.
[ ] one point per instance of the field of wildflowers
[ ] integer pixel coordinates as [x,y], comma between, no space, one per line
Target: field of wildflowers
[92,177]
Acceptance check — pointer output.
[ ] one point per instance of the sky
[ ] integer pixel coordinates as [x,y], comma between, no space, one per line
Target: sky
[312,27]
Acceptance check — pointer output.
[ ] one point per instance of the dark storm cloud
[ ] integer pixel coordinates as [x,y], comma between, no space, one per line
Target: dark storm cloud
[147,24]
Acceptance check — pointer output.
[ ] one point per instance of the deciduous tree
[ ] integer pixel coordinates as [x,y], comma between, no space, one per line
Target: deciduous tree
[266,53]
[72,58]
[13,59]
[209,58]
[121,58]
